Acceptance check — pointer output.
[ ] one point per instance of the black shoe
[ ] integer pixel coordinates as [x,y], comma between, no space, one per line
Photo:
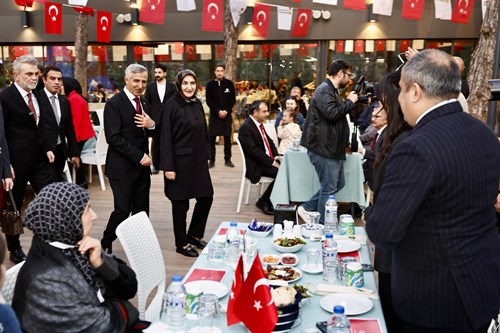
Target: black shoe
[229,164]
[187,251]
[17,256]
[107,250]
[211,164]
[264,207]
[84,185]
[199,243]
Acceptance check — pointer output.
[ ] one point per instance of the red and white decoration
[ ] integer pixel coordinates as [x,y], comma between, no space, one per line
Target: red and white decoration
[383,7]
[260,19]
[232,318]
[356,4]
[53,18]
[412,9]
[443,9]
[213,16]
[462,11]
[103,27]
[152,11]
[302,21]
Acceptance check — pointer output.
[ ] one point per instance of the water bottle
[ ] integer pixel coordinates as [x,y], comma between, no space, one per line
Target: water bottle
[331,221]
[330,263]
[338,323]
[232,248]
[173,311]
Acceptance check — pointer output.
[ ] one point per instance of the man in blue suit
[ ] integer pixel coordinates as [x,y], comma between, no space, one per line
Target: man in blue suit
[436,209]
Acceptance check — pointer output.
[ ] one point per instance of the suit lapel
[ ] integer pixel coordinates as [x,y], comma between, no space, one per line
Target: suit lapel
[440,111]
[16,95]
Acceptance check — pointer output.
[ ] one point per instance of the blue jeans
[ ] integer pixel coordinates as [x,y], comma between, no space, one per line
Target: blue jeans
[331,179]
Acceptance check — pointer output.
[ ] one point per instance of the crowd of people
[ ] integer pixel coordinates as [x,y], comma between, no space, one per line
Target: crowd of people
[432,219]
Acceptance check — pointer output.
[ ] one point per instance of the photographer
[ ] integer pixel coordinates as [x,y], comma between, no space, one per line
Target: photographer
[326,136]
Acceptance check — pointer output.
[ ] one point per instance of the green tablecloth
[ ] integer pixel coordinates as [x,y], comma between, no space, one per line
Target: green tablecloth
[297,180]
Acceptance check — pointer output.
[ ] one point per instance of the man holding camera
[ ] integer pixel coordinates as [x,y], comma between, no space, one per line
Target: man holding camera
[326,136]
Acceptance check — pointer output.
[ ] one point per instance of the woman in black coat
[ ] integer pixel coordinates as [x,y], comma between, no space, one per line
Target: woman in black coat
[184,155]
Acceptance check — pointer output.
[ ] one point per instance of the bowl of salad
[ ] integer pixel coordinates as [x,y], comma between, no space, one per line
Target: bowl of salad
[289,244]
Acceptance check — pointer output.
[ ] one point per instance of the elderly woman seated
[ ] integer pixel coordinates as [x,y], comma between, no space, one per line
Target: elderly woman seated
[67,283]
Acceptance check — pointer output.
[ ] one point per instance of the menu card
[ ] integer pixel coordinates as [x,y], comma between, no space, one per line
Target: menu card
[354,254]
[223,231]
[206,274]
[359,325]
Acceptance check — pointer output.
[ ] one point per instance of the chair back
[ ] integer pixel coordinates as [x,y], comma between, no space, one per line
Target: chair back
[7,290]
[101,146]
[139,241]
[240,148]
[100,116]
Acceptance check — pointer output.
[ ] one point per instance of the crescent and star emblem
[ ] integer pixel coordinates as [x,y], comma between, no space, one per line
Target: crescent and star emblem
[153,7]
[463,10]
[413,4]
[261,13]
[210,6]
[256,303]
[54,17]
[104,26]
[305,19]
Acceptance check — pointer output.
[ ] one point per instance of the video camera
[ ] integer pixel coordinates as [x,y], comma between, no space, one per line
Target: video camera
[495,90]
[365,90]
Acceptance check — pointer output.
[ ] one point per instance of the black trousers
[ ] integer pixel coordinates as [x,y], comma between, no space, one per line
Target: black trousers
[271,172]
[129,196]
[227,148]
[59,162]
[412,328]
[394,324]
[43,175]
[81,179]
[155,150]
[198,220]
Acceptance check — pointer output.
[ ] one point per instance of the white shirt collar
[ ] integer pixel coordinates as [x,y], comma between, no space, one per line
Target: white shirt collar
[50,94]
[21,90]
[381,130]
[256,122]
[435,107]
[129,95]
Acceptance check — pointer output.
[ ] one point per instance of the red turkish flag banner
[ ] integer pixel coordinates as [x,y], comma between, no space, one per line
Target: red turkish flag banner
[152,11]
[380,45]
[260,20]
[404,44]
[254,305]
[53,18]
[462,11]
[359,46]
[84,10]
[302,21]
[339,46]
[25,3]
[303,50]
[191,52]
[219,51]
[103,27]
[213,16]
[232,318]
[412,9]
[356,4]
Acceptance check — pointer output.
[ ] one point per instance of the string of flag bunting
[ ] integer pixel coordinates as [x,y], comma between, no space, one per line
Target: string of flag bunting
[153,11]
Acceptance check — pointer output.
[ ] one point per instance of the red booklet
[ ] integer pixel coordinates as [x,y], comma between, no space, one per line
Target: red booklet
[359,325]
[223,231]
[206,274]
[354,254]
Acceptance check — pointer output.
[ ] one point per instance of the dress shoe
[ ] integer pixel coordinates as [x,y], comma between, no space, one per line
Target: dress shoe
[211,164]
[199,243]
[229,164]
[17,256]
[264,207]
[187,251]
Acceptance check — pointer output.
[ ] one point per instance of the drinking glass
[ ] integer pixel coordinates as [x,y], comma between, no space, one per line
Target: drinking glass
[216,249]
[296,145]
[208,311]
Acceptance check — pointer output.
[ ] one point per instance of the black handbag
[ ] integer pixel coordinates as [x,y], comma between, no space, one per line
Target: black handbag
[12,223]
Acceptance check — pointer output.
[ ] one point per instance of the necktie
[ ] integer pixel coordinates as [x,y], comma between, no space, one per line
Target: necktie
[138,108]
[374,142]
[31,106]
[54,107]
[264,137]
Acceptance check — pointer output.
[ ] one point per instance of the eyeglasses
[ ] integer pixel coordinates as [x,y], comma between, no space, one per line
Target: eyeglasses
[350,75]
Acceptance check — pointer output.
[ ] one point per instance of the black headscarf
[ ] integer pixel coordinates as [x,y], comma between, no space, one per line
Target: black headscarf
[178,84]
[56,215]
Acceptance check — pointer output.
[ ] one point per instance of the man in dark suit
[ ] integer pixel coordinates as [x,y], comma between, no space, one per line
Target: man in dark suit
[435,208]
[127,126]
[21,113]
[58,124]
[261,156]
[157,93]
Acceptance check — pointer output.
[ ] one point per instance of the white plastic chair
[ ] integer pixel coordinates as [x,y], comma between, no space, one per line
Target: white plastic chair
[100,116]
[67,173]
[96,156]
[247,182]
[7,290]
[139,241]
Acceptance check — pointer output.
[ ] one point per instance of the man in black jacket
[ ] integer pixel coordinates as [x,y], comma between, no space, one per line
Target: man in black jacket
[221,97]
[326,136]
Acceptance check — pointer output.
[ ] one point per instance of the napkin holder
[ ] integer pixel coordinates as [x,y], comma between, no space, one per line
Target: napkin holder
[284,212]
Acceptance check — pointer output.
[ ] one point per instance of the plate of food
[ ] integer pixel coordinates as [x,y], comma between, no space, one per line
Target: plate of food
[270,259]
[282,273]
[289,259]
[286,244]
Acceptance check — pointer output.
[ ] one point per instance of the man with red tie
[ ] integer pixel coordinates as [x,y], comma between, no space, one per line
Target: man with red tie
[261,156]
[127,126]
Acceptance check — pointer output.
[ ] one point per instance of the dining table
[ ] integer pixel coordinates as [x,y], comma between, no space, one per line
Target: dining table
[311,310]
[297,180]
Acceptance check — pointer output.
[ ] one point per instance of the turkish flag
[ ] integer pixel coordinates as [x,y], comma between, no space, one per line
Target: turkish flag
[356,4]
[260,19]
[462,11]
[250,54]
[103,27]
[303,50]
[85,10]
[152,11]
[213,16]
[265,50]
[412,9]
[191,52]
[404,44]
[339,46]
[302,21]
[219,48]
[25,3]
[53,18]
[380,45]
[359,46]
[235,290]
[254,305]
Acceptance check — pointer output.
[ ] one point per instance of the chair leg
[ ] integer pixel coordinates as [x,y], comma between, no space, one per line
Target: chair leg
[101,177]
[240,195]
[90,173]
[248,192]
